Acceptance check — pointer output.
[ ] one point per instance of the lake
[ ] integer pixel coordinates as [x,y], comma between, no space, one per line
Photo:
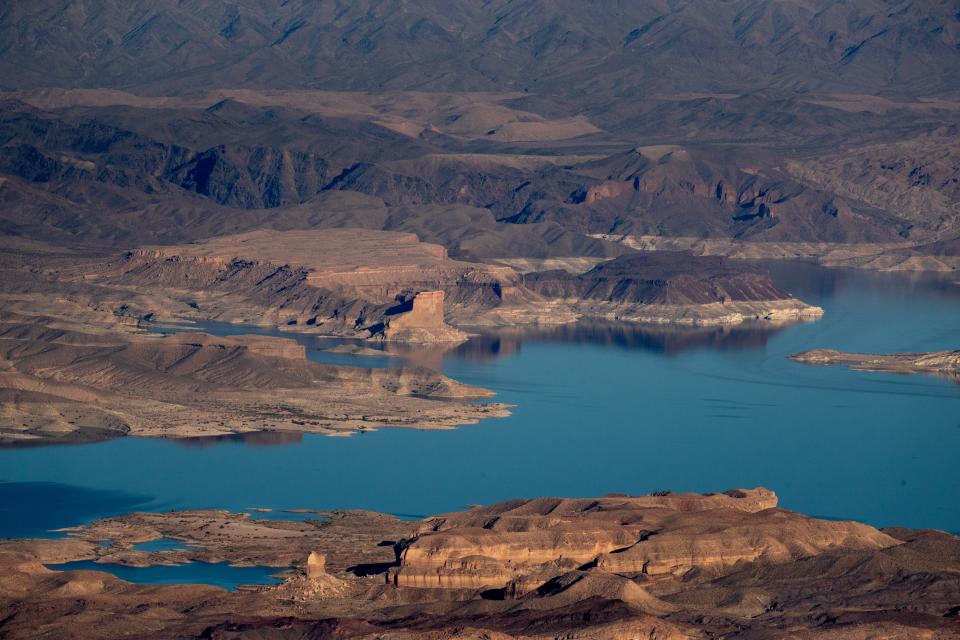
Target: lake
[600,408]
[218,574]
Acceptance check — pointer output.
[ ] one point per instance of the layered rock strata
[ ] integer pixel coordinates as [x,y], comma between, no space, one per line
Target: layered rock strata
[672,288]
[61,384]
[518,543]
[304,281]
[420,320]
[663,566]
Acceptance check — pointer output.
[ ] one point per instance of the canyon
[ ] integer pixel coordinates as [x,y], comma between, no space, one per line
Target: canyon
[610,232]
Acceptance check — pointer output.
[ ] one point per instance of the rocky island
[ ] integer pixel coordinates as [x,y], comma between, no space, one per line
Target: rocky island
[939,363]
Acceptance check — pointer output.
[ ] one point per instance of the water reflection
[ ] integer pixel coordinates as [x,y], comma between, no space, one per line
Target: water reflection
[620,335]
[254,438]
[325,350]
[807,281]
[813,283]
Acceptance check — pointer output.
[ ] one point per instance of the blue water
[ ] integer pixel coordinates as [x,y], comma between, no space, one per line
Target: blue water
[36,508]
[162,544]
[600,409]
[218,574]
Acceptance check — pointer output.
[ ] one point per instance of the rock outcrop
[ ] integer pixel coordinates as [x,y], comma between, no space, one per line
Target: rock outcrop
[521,544]
[939,363]
[420,320]
[316,565]
[352,282]
[672,288]
[364,284]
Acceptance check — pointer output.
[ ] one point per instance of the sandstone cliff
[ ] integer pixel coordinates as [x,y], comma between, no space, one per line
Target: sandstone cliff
[672,287]
[420,320]
[521,542]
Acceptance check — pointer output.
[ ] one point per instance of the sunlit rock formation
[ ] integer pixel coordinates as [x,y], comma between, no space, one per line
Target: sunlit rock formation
[526,542]
[420,320]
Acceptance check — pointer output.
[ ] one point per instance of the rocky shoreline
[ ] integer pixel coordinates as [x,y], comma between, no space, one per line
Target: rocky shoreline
[69,383]
[665,565]
[939,363]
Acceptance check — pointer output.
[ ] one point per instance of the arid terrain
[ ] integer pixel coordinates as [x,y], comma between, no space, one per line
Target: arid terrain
[415,179]
[80,361]
[728,565]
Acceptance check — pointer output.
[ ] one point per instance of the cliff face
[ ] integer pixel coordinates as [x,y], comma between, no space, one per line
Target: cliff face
[352,282]
[420,320]
[521,544]
[389,285]
[660,278]
[672,287]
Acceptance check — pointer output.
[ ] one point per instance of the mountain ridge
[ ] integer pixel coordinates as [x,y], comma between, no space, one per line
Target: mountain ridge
[568,48]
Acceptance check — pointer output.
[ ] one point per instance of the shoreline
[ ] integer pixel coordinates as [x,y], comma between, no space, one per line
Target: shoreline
[682,564]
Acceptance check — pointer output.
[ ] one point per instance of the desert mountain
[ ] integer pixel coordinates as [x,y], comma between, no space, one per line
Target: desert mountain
[505,130]
[584,49]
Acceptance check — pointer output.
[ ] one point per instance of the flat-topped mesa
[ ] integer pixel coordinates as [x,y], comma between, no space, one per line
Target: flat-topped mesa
[673,287]
[419,319]
[524,543]
[939,363]
[336,281]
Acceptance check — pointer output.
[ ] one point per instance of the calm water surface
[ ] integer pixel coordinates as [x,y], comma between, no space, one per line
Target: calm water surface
[600,409]
[219,574]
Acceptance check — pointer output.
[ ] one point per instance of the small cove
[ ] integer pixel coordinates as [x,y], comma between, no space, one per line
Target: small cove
[219,574]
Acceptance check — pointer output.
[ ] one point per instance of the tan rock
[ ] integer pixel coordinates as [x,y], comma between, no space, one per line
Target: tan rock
[423,322]
[516,543]
[316,565]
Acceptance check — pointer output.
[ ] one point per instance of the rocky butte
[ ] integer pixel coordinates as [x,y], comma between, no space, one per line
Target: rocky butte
[420,320]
